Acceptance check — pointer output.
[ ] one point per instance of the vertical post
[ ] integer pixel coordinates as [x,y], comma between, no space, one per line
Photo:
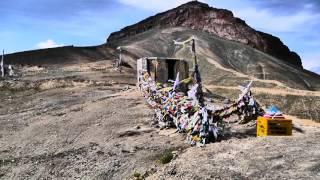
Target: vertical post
[2,64]
[195,61]
[197,75]
[120,58]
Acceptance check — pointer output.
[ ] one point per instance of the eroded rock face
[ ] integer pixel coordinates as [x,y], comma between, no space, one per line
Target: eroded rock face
[219,22]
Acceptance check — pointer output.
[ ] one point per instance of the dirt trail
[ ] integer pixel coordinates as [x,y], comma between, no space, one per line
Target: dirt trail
[282,92]
[236,73]
[280,84]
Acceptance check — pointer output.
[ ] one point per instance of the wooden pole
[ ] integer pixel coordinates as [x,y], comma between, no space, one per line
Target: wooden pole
[196,73]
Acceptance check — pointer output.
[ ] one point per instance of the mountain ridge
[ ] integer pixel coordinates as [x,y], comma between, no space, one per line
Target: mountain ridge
[220,22]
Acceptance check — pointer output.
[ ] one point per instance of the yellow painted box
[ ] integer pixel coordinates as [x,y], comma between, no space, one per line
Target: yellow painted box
[274,127]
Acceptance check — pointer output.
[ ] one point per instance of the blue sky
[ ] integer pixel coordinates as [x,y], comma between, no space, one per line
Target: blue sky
[33,24]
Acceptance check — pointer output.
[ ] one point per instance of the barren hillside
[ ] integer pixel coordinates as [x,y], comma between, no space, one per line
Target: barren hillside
[62,55]
[88,121]
[218,22]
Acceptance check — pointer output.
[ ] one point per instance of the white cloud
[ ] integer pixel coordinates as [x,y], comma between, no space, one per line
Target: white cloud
[48,44]
[309,6]
[311,62]
[275,22]
[155,5]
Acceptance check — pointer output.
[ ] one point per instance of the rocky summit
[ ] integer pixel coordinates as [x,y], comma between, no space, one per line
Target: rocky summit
[219,22]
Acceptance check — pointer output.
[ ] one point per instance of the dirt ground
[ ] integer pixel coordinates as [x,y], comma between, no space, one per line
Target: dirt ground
[89,122]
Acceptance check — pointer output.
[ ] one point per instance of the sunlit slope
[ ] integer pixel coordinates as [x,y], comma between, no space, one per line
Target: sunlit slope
[222,62]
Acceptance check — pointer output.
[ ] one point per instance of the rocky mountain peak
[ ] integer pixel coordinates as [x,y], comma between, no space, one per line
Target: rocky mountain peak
[219,22]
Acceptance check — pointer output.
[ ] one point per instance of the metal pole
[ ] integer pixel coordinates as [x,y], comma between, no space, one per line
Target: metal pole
[2,64]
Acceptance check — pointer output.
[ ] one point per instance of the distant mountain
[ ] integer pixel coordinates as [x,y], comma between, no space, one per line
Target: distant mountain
[199,16]
[61,55]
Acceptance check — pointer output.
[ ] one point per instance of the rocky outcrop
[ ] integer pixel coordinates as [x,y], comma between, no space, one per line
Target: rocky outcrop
[219,22]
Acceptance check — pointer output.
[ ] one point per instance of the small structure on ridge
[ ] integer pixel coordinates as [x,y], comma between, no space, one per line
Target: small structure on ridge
[161,70]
